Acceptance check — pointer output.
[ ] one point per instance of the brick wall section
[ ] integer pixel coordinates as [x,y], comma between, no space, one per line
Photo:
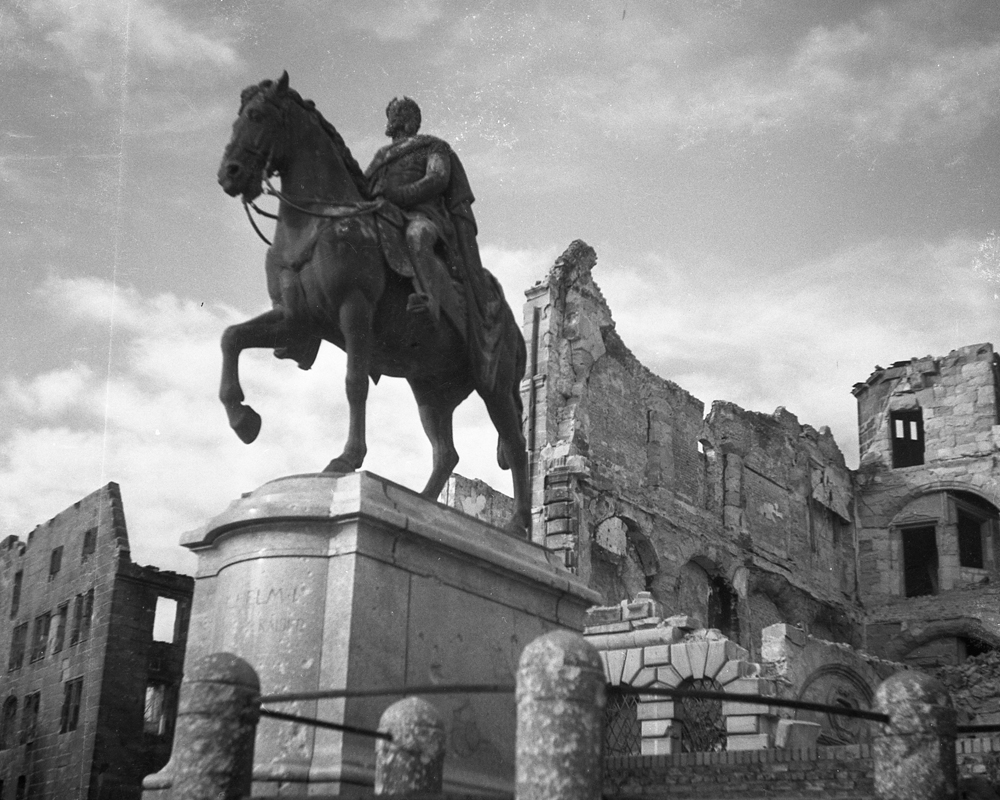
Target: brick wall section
[632,482]
[829,773]
[108,748]
[825,773]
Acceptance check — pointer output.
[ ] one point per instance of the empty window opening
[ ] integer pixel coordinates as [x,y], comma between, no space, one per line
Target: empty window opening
[29,717]
[159,711]
[18,643]
[88,615]
[920,561]
[55,562]
[89,544]
[722,603]
[83,610]
[40,639]
[907,438]
[21,790]
[970,539]
[8,722]
[69,718]
[15,597]
[59,629]
[165,620]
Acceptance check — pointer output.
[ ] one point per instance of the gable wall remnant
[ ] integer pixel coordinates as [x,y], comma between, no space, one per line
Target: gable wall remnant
[631,481]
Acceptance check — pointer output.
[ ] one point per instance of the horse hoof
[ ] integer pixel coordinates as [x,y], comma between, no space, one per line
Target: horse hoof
[517,527]
[246,423]
[339,466]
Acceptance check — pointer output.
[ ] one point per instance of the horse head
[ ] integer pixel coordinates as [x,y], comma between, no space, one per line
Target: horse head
[256,144]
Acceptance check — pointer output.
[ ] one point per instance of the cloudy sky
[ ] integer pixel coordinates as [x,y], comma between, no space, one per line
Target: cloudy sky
[782,194]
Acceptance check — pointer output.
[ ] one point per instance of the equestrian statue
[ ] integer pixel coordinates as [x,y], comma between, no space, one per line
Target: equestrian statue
[384,264]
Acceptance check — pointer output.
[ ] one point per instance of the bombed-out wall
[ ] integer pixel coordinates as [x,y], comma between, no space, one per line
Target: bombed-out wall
[928,494]
[743,519]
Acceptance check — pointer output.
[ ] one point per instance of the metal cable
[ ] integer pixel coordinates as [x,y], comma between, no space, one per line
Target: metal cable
[333,694]
[319,723]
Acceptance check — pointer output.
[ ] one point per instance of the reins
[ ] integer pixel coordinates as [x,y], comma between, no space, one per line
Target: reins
[335,210]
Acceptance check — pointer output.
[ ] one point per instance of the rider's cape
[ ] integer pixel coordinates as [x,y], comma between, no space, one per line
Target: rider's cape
[487,314]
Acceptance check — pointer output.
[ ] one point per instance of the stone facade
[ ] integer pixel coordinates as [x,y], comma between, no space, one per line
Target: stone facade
[88,691]
[753,522]
[928,489]
[738,518]
[745,520]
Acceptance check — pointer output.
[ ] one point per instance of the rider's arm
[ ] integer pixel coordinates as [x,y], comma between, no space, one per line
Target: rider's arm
[434,182]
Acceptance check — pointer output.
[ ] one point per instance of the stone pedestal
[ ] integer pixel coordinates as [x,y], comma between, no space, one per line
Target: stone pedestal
[352,582]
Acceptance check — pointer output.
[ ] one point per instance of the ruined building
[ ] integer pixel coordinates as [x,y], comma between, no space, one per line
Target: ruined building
[743,519]
[927,494]
[737,550]
[91,652]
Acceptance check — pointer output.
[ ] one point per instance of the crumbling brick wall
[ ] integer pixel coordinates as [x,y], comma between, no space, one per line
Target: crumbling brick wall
[76,568]
[640,491]
[945,410]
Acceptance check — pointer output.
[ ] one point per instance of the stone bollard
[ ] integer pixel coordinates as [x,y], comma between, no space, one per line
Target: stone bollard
[212,757]
[414,760]
[560,719]
[915,753]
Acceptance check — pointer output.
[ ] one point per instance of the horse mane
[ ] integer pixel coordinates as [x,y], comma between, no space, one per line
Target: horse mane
[353,167]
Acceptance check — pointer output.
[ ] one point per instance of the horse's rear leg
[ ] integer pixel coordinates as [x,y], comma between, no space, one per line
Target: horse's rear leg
[436,419]
[356,327]
[507,420]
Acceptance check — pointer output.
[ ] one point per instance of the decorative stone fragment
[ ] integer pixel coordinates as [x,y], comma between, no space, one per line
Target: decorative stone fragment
[633,663]
[679,660]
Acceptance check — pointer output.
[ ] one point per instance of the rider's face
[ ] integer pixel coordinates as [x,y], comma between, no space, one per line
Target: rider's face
[393,125]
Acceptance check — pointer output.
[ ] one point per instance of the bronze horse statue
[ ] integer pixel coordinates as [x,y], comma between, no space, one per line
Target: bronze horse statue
[328,279]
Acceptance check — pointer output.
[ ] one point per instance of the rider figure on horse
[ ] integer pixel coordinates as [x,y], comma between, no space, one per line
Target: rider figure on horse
[423,176]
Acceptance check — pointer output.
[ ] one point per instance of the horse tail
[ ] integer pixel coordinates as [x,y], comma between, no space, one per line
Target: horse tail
[516,340]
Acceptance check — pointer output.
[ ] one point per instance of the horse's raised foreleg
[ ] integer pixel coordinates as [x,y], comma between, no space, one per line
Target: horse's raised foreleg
[356,327]
[270,329]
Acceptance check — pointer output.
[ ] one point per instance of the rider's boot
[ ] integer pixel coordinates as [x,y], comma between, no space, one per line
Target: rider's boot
[419,321]
[302,351]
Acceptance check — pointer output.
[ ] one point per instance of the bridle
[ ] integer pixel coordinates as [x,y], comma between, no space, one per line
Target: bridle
[331,210]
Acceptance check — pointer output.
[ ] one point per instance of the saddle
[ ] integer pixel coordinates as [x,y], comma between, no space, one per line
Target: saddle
[434,280]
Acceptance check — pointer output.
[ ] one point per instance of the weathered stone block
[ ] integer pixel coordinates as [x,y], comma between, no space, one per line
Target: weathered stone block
[657,654]
[680,661]
[656,747]
[616,664]
[743,724]
[633,663]
[653,728]
[644,677]
[732,670]
[655,709]
[669,676]
[754,741]
[716,658]
[697,653]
